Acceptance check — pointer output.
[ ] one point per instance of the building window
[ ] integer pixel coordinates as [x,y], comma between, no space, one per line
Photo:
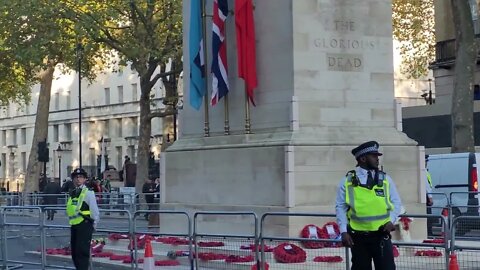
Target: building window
[24,161]
[120,93]
[4,138]
[57,101]
[27,108]
[134,126]
[119,128]
[106,128]
[107,96]
[23,135]
[55,133]
[4,167]
[118,149]
[134,92]
[68,100]
[68,131]
[14,137]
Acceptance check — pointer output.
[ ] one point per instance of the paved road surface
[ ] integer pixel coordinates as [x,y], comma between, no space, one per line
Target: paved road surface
[27,238]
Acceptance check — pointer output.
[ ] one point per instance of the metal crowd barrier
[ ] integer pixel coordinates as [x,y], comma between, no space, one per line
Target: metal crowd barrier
[185,233]
[265,236]
[441,207]
[5,224]
[416,254]
[466,249]
[53,237]
[258,237]
[236,239]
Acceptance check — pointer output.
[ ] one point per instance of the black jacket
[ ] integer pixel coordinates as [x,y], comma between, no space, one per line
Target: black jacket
[50,189]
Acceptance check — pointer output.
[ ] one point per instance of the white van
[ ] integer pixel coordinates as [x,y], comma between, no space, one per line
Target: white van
[455,173]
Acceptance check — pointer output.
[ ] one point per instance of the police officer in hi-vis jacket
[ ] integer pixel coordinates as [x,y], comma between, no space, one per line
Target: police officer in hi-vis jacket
[367,205]
[83,216]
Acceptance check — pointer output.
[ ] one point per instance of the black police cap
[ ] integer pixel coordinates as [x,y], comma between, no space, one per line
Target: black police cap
[79,171]
[368,148]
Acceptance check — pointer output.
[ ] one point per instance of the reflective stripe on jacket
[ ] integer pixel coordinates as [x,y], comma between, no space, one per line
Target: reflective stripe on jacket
[74,205]
[369,209]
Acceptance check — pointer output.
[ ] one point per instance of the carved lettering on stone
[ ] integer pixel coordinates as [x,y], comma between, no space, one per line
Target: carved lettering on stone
[345,62]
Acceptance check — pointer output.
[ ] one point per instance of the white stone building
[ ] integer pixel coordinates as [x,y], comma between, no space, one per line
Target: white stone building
[110,108]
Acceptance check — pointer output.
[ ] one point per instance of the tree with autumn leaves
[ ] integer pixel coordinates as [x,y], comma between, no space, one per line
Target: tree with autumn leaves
[413,26]
[34,43]
[41,36]
[146,34]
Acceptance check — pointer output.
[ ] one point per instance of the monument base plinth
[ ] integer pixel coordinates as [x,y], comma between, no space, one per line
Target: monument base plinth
[279,172]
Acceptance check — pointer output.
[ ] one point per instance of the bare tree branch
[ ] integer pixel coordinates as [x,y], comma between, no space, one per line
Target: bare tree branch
[163,75]
[163,113]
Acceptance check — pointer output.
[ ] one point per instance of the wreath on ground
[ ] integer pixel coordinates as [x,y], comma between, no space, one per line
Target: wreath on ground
[332,234]
[59,251]
[167,263]
[428,253]
[312,231]
[176,241]
[330,259]
[239,259]
[289,253]
[117,236]
[434,241]
[253,247]
[211,244]
[210,256]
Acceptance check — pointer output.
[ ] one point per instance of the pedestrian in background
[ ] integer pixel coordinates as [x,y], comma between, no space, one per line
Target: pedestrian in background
[148,189]
[367,205]
[83,216]
[157,191]
[429,197]
[68,185]
[50,199]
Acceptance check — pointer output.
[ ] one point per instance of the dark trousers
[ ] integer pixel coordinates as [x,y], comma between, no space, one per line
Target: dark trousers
[368,247]
[50,214]
[80,238]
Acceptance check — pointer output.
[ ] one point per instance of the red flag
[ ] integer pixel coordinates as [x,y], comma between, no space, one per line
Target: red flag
[245,26]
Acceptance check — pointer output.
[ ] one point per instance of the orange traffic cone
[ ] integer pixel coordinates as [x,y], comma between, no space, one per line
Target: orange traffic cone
[453,265]
[148,261]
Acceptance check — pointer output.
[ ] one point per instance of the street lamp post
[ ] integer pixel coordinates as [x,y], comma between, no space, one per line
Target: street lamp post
[59,154]
[79,70]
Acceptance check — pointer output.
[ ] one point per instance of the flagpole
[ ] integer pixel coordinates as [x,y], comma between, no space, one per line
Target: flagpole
[247,113]
[205,98]
[226,126]
[227,120]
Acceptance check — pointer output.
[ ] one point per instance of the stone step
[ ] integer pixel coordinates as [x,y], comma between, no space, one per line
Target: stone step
[109,264]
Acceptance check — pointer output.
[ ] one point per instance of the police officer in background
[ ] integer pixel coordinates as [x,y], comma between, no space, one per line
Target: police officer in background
[83,216]
[367,205]
[428,184]
[429,197]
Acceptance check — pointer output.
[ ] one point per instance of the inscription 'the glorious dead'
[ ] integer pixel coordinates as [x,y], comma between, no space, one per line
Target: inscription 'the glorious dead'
[344,60]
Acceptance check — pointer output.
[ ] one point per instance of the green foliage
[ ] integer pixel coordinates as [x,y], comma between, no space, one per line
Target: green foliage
[34,36]
[413,26]
[145,33]
[14,82]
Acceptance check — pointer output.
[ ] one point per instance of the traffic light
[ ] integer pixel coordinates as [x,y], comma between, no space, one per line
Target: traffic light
[42,152]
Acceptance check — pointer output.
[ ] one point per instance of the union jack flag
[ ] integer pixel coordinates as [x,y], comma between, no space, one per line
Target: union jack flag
[219,52]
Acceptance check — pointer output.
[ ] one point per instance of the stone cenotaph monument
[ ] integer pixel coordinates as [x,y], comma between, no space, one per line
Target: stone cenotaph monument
[325,73]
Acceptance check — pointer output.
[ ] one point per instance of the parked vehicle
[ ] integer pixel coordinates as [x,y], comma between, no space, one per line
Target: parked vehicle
[456,176]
